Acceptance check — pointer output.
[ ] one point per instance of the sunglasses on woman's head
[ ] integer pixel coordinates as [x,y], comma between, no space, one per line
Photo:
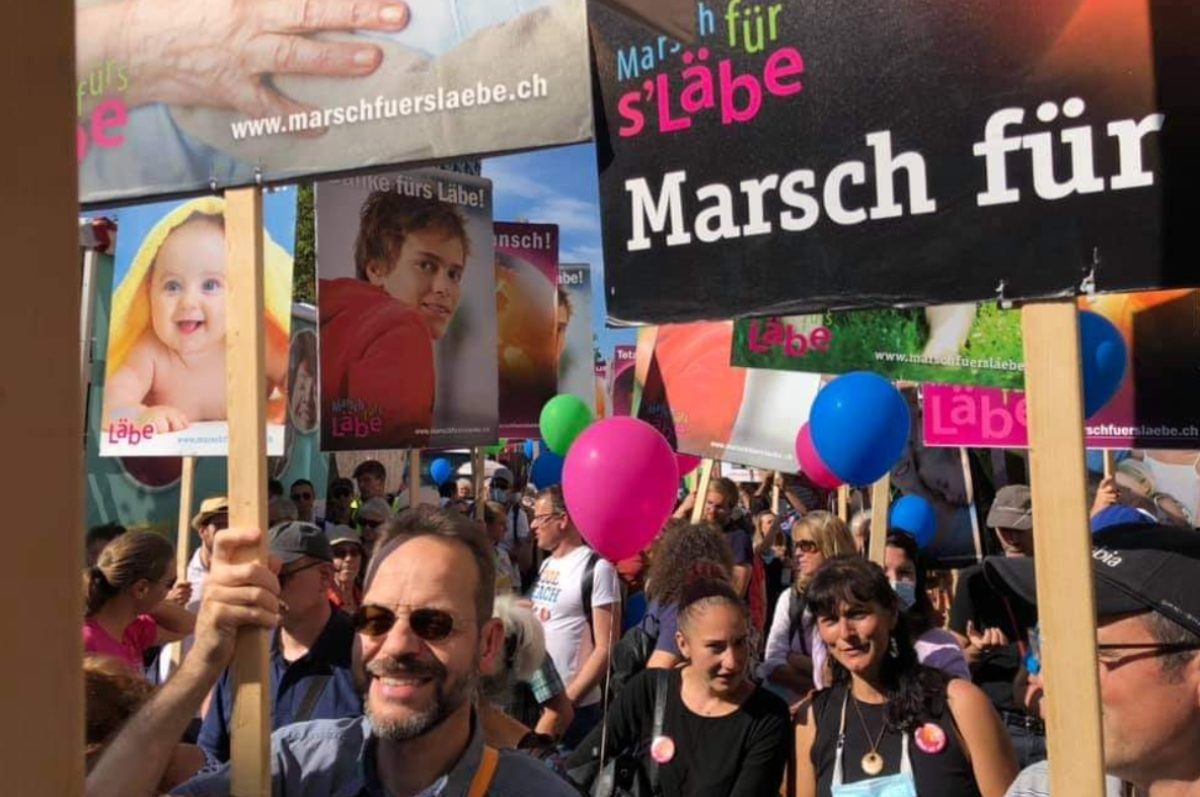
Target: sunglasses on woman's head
[431,625]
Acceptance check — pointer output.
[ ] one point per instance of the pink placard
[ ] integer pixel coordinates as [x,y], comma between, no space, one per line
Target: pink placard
[979,417]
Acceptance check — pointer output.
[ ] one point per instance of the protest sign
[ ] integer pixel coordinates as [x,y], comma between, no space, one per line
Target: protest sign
[576,358]
[164,387]
[407,311]
[706,407]
[191,97]
[601,388]
[527,323]
[1154,407]
[951,344]
[966,150]
[622,385]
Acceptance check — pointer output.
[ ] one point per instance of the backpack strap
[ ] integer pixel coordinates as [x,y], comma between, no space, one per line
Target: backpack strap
[585,590]
[660,710]
[485,773]
[316,685]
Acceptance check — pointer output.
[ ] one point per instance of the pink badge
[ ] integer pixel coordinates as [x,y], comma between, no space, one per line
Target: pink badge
[930,738]
[662,749]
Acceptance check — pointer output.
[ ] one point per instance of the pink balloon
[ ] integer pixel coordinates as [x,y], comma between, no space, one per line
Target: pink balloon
[619,482]
[810,461]
[687,463]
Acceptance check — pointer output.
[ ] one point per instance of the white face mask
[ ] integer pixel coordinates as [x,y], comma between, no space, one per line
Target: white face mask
[500,495]
[907,592]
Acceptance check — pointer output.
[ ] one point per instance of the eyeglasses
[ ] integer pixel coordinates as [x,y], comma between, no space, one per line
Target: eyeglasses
[431,625]
[1108,653]
[806,546]
[286,575]
[540,519]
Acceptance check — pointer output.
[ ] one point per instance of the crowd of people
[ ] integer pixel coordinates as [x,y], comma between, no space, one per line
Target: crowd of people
[431,651]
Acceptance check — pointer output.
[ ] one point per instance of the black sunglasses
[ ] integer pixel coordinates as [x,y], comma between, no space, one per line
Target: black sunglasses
[431,625]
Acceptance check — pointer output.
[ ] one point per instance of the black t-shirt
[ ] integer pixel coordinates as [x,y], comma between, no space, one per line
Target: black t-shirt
[946,772]
[978,601]
[739,755]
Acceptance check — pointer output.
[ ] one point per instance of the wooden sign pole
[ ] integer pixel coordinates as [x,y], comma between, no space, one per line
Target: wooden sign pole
[775,495]
[1110,462]
[41,423]
[1063,551]
[706,469]
[881,496]
[843,503]
[477,470]
[183,535]
[414,478]
[969,483]
[247,404]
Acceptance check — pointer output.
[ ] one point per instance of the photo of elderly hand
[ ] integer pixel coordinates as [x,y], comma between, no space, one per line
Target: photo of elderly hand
[221,53]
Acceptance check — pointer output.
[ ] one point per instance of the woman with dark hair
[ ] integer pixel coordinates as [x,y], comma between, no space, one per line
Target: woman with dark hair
[673,560]
[720,735]
[936,647]
[888,720]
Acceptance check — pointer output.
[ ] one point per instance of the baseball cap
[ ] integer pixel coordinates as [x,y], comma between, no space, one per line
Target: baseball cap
[1012,509]
[1136,567]
[340,534]
[502,474]
[214,505]
[295,539]
[376,508]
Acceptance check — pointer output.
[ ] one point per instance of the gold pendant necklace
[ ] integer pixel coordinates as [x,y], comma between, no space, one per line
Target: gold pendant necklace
[872,762]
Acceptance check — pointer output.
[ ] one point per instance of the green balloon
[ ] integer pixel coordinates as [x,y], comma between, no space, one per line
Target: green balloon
[563,419]
[495,450]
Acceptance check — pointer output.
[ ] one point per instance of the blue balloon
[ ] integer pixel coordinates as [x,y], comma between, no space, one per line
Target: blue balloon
[859,424]
[1103,354]
[440,470]
[547,470]
[528,449]
[915,515]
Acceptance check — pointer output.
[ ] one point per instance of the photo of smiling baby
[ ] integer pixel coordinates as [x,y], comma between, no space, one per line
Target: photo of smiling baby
[407,311]
[164,391]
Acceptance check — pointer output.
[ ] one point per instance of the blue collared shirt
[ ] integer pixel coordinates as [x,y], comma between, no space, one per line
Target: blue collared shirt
[336,758]
[329,658]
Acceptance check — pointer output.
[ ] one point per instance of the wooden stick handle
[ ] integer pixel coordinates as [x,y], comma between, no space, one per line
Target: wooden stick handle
[706,469]
[1065,597]
[414,478]
[969,483]
[881,494]
[245,361]
[183,533]
[1110,462]
[843,503]
[478,466]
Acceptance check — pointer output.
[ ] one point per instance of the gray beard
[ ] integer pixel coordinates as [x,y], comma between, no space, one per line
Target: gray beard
[448,698]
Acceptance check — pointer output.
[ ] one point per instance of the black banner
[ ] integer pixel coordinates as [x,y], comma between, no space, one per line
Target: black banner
[806,156]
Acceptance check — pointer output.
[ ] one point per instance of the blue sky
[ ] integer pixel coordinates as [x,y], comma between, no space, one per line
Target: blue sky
[559,186]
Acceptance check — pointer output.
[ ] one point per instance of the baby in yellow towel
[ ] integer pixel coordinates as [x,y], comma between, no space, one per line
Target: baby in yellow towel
[168,370]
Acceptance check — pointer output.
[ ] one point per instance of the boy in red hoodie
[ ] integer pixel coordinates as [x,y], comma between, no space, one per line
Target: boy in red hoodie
[377,331]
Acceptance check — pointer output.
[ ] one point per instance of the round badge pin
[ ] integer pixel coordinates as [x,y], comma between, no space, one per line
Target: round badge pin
[930,738]
[662,749]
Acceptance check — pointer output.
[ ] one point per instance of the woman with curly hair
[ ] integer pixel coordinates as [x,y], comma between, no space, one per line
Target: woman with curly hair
[680,551]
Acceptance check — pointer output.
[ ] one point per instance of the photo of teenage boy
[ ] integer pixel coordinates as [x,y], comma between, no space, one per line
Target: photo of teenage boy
[379,328]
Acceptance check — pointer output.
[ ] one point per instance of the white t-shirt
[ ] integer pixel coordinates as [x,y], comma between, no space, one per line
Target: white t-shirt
[558,603]
[196,573]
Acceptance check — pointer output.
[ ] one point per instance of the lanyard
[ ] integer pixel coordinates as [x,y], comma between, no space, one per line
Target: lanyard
[905,764]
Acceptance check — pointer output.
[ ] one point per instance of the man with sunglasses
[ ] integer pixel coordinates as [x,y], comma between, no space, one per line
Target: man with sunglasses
[339,504]
[303,496]
[1147,582]
[311,670]
[426,636]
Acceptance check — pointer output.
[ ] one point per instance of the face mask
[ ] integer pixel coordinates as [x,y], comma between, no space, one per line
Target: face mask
[907,592]
[768,555]
[499,495]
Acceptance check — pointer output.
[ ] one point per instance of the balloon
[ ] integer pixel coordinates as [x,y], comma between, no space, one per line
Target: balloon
[915,515]
[528,450]
[440,470]
[810,462]
[547,470]
[562,419]
[687,463]
[619,483]
[860,425]
[1102,353]
[493,451]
